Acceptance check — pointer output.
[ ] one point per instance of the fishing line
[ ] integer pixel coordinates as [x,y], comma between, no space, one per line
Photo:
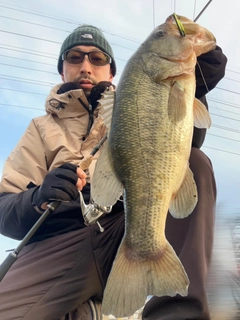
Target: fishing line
[154,23]
[205,83]
[174,5]
[200,13]
[194,10]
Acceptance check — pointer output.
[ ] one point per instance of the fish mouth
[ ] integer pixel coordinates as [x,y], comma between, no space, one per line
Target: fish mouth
[185,56]
[177,60]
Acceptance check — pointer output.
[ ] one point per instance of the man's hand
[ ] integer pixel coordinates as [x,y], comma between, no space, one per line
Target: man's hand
[96,92]
[61,184]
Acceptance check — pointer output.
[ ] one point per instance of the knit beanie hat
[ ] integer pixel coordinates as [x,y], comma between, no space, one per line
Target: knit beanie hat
[86,35]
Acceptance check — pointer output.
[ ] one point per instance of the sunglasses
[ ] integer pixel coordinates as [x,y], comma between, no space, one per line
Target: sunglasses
[97,58]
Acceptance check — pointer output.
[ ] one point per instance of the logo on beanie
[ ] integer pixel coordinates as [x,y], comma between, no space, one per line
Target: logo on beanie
[87,36]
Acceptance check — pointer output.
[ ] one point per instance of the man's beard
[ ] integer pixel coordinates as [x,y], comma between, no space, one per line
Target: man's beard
[87,91]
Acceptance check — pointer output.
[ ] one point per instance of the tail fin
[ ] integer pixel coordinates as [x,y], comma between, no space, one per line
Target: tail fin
[132,280]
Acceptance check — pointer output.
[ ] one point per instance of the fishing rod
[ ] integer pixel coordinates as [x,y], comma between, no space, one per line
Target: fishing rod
[12,256]
[51,207]
[201,12]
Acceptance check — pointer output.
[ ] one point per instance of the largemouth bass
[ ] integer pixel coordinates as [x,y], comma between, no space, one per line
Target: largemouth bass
[147,159]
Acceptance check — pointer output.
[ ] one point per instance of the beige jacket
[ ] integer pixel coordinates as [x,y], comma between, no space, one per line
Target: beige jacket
[52,139]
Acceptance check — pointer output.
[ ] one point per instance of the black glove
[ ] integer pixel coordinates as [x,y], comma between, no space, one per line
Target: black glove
[213,65]
[67,86]
[96,92]
[59,184]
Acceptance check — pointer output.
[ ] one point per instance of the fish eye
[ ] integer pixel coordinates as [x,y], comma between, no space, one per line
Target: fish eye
[159,33]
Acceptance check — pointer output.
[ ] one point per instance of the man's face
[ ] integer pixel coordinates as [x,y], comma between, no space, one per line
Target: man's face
[87,74]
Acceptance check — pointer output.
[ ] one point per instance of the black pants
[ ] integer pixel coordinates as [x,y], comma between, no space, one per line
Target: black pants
[56,276]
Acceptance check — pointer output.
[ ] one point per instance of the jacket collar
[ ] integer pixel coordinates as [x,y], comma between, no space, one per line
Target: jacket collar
[67,104]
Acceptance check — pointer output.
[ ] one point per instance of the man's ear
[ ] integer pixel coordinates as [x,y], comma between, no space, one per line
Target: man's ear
[111,76]
[62,76]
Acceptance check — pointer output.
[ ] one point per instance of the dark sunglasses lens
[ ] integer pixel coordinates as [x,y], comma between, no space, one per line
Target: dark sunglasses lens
[98,58]
[74,56]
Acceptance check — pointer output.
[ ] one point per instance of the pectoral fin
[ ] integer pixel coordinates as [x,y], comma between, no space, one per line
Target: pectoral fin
[106,188]
[201,115]
[176,103]
[107,102]
[185,200]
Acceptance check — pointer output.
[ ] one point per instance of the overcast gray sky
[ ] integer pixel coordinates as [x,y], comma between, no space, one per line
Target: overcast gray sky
[31,34]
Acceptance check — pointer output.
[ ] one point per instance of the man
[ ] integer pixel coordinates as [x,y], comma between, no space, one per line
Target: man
[62,272]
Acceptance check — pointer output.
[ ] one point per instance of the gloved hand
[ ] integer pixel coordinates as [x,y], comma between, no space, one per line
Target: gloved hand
[67,86]
[96,92]
[59,184]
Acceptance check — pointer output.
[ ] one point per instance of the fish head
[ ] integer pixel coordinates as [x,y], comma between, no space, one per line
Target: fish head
[201,39]
[168,53]
[167,42]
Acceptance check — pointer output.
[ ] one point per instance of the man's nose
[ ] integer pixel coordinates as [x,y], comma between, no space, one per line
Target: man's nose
[86,66]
